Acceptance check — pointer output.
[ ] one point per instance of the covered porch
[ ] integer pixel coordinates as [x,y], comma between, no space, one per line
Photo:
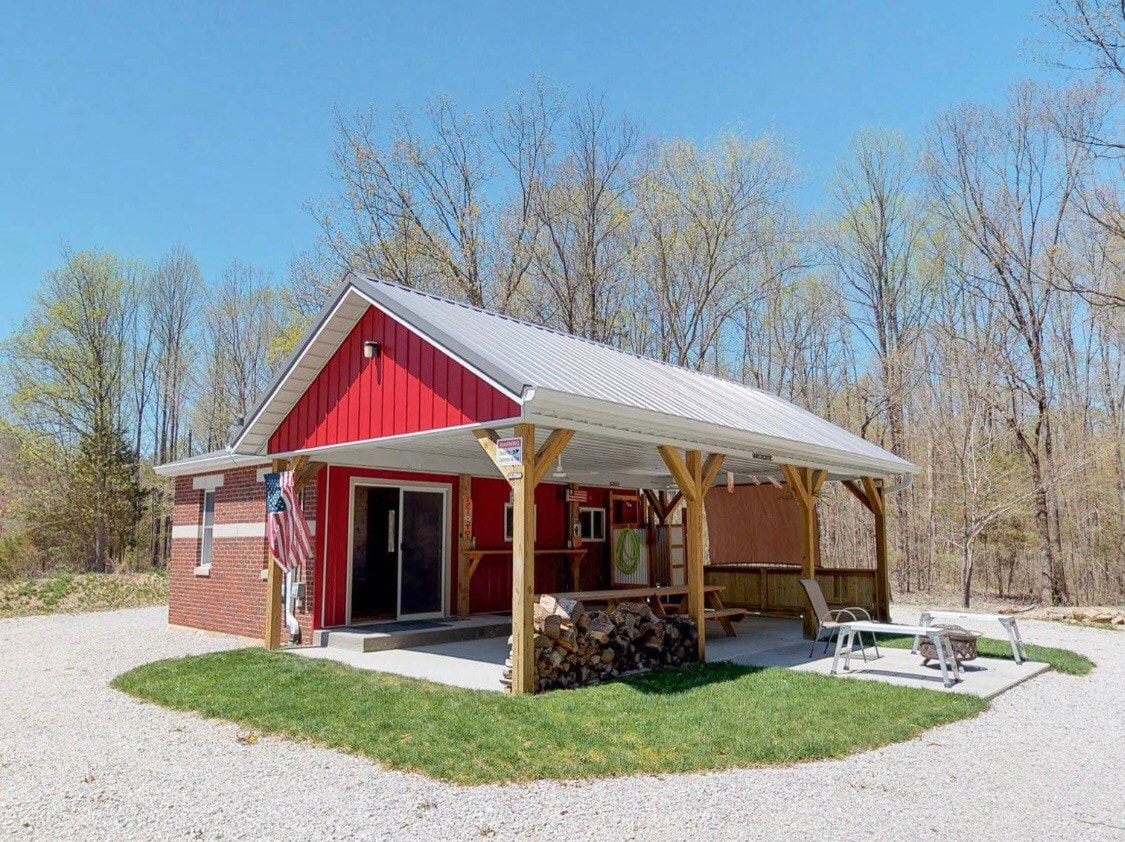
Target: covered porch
[674,481]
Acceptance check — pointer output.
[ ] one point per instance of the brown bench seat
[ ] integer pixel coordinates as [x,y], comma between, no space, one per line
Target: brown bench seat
[725,617]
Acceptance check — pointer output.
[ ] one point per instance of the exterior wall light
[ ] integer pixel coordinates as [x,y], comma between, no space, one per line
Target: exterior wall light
[371,350]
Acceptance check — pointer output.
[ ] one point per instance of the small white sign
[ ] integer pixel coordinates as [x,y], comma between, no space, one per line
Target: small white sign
[509,452]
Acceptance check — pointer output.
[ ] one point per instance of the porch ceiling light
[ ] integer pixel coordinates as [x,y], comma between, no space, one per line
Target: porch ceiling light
[371,350]
[559,473]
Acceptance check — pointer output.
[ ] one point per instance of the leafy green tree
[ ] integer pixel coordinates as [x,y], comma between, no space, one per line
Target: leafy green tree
[68,367]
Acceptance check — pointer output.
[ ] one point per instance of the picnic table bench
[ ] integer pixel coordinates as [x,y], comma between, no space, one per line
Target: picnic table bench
[677,596]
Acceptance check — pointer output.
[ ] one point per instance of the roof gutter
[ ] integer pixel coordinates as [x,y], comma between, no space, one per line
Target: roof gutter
[207,463]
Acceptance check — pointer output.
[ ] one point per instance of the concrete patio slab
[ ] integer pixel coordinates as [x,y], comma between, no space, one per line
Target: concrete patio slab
[473,664]
[761,641]
[984,677]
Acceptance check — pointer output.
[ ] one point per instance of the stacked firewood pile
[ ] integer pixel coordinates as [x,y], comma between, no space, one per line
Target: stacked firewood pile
[575,647]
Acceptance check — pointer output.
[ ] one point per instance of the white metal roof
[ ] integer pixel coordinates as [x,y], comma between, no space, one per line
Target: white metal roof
[216,460]
[615,400]
[531,360]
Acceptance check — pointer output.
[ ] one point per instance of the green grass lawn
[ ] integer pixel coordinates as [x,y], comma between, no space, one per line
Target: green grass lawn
[72,592]
[1062,660]
[713,716]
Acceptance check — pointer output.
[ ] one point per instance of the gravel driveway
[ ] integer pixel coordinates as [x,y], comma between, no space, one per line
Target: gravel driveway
[79,760]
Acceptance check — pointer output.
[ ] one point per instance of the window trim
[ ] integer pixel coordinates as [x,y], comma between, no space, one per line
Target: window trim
[206,530]
[593,510]
[510,522]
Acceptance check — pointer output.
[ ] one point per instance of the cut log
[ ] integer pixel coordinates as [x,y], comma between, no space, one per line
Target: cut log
[552,626]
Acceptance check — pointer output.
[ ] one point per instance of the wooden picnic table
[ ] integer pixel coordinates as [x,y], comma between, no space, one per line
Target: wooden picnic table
[655,597]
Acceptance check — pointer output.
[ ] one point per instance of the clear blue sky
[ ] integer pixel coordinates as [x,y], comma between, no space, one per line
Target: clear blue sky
[132,126]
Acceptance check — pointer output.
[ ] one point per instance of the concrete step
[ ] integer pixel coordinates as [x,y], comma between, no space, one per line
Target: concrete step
[377,637]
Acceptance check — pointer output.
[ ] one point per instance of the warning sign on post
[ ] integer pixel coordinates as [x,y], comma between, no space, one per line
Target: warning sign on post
[509,452]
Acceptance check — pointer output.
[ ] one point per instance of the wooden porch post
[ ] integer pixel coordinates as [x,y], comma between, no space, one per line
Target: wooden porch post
[873,497]
[523,479]
[694,477]
[523,565]
[875,494]
[805,483]
[464,541]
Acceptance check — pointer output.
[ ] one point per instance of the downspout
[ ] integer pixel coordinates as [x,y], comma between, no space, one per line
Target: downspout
[901,485]
[290,617]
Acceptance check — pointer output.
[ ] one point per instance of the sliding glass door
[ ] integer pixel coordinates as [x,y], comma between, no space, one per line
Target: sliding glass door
[422,557]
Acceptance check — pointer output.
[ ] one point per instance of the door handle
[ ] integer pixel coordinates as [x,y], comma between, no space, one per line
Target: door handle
[391,521]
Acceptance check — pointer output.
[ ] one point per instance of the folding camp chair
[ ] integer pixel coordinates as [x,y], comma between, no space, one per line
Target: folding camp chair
[828,620]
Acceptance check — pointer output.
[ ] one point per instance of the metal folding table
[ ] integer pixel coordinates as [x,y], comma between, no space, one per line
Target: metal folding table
[946,660]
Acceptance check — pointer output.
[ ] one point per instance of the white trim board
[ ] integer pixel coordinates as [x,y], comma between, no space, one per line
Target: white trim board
[247,529]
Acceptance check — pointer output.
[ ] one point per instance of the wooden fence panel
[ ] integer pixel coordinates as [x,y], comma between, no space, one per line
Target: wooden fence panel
[775,590]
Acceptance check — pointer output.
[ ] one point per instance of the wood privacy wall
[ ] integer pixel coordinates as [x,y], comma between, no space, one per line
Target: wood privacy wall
[754,524]
[756,555]
[775,590]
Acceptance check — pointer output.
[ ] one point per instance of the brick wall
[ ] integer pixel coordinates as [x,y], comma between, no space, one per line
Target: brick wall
[232,597]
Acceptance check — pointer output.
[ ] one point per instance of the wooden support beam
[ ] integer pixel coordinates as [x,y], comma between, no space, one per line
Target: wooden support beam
[694,477]
[550,451]
[710,469]
[805,483]
[464,541]
[305,475]
[487,440]
[694,546]
[796,485]
[689,486]
[858,493]
[661,504]
[523,479]
[296,466]
[523,564]
[875,494]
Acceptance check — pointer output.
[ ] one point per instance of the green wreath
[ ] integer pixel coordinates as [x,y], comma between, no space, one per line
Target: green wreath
[627,551]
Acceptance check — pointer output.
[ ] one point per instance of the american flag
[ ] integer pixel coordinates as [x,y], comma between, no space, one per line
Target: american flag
[286,530]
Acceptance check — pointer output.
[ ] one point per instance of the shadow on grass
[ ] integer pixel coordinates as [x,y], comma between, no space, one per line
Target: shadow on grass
[672,681]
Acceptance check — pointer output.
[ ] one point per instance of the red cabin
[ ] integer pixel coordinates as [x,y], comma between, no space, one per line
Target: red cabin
[451,461]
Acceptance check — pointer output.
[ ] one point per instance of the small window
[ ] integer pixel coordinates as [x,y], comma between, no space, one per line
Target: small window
[509,519]
[207,529]
[592,522]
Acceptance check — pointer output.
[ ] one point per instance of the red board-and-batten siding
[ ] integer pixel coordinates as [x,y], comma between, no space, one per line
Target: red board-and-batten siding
[410,387]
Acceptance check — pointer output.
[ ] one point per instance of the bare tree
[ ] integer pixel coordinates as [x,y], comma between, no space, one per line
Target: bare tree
[581,270]
[704,214]
[242,325]
[1005,181]
[879,249]
[421,208]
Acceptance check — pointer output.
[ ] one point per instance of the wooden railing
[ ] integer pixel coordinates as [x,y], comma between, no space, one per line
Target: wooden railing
[775,589]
